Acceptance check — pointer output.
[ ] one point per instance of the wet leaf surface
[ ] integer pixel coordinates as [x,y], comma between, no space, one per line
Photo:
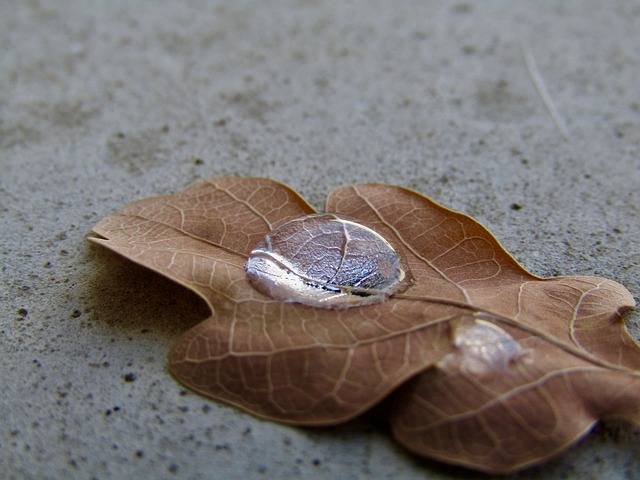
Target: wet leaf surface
[486,365]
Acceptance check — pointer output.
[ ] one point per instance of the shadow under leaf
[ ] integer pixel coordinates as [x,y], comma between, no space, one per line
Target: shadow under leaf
[126,296]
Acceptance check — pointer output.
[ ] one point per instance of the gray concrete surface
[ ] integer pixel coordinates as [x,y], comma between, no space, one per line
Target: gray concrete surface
[102,103]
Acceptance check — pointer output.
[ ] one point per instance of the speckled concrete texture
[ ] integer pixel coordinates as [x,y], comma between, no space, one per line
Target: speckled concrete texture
[102,103]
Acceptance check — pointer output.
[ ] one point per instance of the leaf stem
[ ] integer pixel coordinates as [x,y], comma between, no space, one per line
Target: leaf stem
[481,313]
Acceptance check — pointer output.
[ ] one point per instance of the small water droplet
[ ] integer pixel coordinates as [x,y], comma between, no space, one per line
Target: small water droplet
[326,260]
[482,350]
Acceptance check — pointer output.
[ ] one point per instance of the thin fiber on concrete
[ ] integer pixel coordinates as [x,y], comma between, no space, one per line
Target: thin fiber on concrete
[524,115]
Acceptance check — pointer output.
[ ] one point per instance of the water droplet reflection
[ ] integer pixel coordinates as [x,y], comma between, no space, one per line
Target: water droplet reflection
[326,260]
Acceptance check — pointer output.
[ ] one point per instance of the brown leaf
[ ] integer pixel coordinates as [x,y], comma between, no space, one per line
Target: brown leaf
[493,367]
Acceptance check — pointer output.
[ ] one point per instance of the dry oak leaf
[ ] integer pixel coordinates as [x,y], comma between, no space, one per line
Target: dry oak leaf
[488,366]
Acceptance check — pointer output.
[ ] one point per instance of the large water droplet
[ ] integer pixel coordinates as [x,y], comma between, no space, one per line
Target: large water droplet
[326,260]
